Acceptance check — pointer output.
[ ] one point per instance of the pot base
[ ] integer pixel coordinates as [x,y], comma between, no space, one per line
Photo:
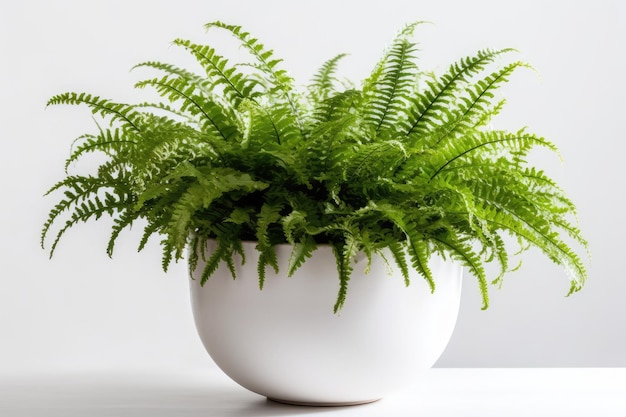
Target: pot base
[286,343]
[323,404]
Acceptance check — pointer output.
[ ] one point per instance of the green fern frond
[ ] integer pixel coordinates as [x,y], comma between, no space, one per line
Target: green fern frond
[261,269]
[222,253]
[434,102]
[111,141]
[344,254]
[236,85]
[125,220]
[523,221]
[499,251]
[390,84]
[342,109]
[335,126]
[322,85]
[239,215]
[416,246]
[294,226]
[196,191]
[459,249]
[164,108]
[274,123]
[195,243]
[123,113]
[374,160]
[166,146]
[379,69]
[386,98]
[213,117]
[92,208]
[280,83]
[399,255]
[301,251]
[201,83]
[83,195]
[264,57]
[150,229]
[492,141]
[166,254]
[269,214]
[546,189]
[475,104]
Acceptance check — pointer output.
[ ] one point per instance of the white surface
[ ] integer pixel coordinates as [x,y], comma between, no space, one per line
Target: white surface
[286,343]
[82,309]
[438,393]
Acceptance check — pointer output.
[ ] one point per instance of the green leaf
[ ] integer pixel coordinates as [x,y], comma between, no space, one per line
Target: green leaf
[301,251]
[344,254]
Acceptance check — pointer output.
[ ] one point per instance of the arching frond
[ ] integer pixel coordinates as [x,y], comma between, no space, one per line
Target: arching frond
[460,249]
[322,85]
[376,158]
[473,106]
[489,142]
[109,142]
[212,117]
[265,60]
[379,69]
[125,114]
[344,254]
[435,100]
[301,251]
[235,85]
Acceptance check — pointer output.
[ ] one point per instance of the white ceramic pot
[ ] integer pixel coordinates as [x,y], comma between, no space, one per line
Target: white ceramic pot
[285,342]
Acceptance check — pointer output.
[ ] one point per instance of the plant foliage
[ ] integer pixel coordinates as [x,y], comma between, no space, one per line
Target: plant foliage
[406,163]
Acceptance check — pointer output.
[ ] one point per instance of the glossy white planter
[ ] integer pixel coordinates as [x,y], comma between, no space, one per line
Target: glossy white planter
[285,342]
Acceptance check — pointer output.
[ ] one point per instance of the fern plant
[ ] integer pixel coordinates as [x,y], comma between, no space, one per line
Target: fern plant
[406,163]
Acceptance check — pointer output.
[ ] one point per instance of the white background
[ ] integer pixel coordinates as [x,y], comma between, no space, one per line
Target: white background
[84,310]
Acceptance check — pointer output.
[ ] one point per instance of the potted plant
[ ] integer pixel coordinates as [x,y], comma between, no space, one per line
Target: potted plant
[249,177]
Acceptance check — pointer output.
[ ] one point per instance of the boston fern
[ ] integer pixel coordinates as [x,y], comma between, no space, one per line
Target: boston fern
[407,163]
